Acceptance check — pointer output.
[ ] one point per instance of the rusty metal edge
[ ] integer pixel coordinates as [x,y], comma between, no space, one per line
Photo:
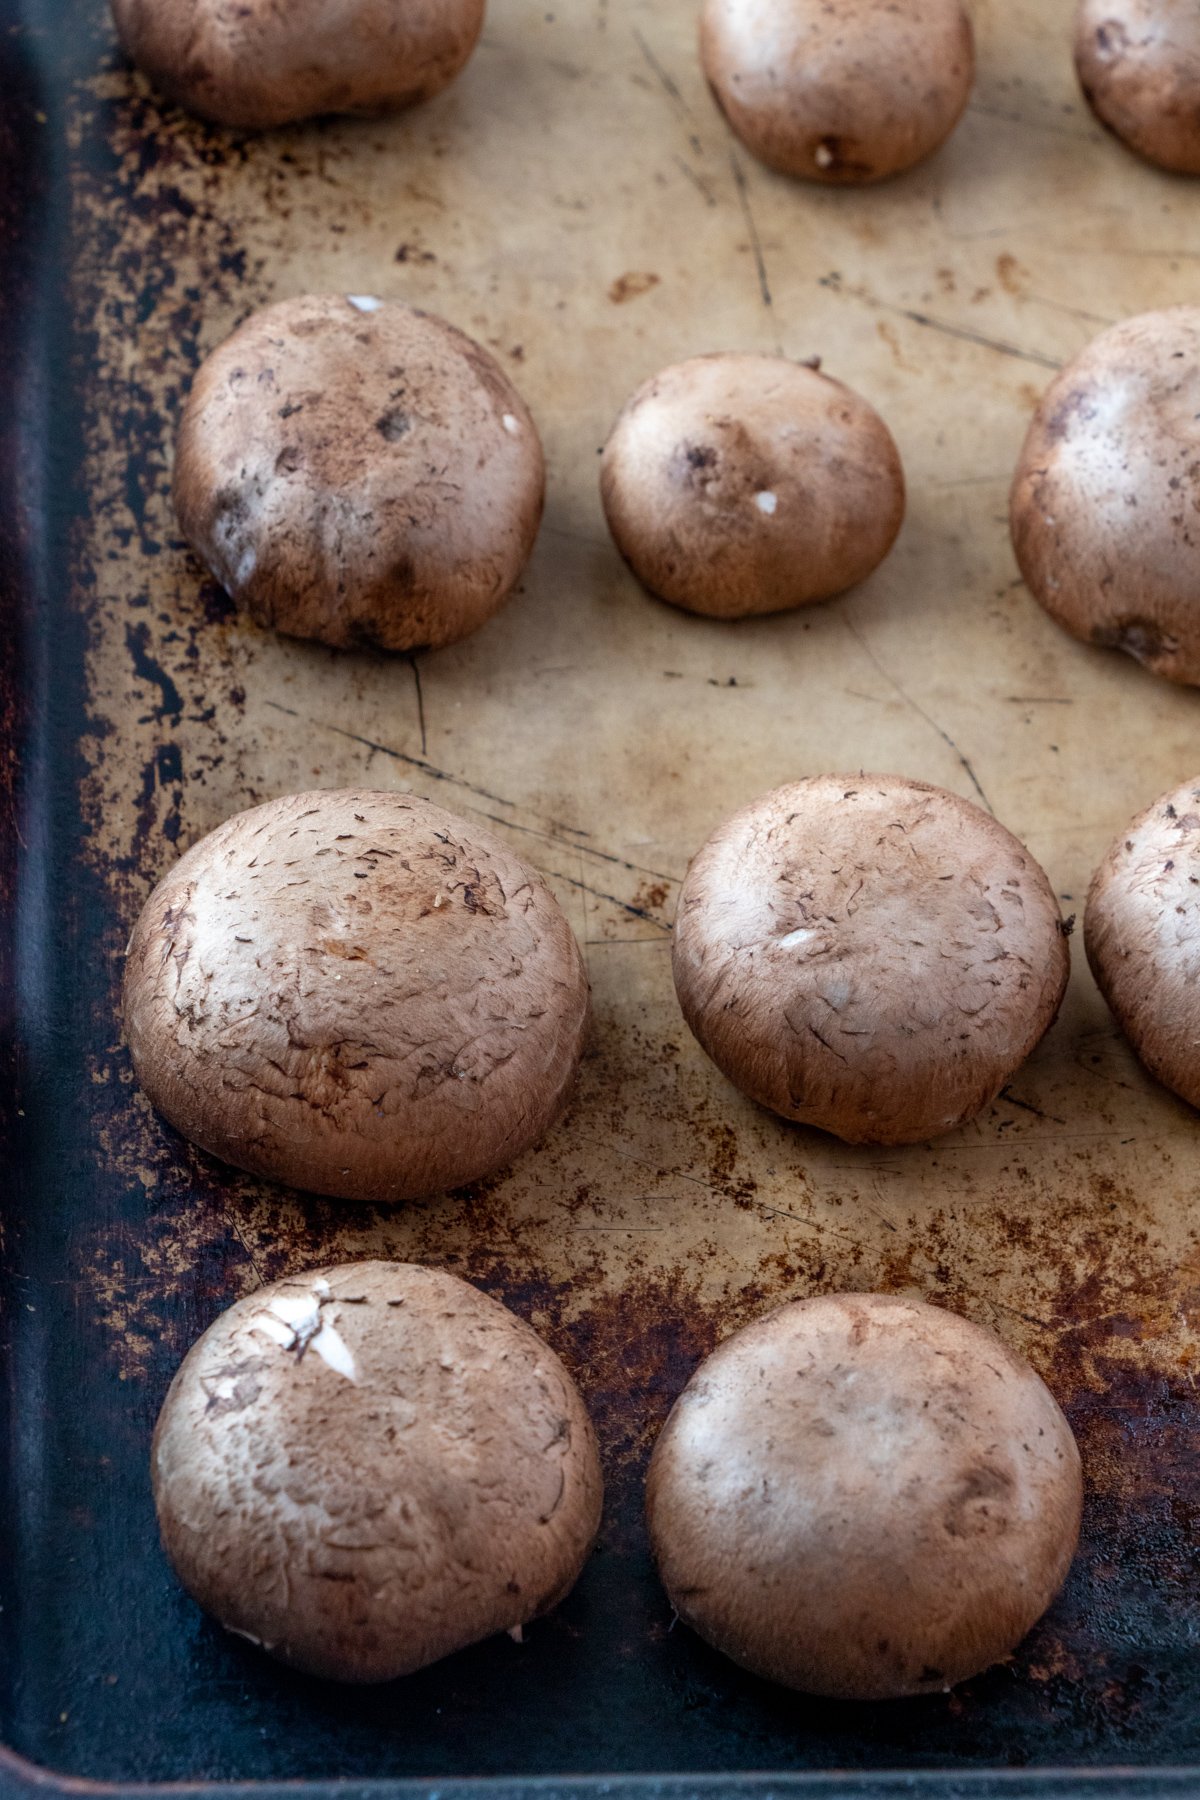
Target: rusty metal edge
[19,1778]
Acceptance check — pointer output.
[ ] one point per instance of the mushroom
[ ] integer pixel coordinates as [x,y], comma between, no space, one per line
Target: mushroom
[1104,501]
[1138,63]
[259,63]
[1142,936]
[356,993]
[864,1497]
[365,1468]
[741,484]
[845,93]
[360,472]
[869,955]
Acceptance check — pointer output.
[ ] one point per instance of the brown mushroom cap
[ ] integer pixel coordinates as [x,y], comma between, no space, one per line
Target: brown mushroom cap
[1104,502]
[845,93]
[748,484]
[356,471]
[1142,935]
[1139,66]
[365,1468]
[259,63]
[868,954]
[864,1497]
[356,993]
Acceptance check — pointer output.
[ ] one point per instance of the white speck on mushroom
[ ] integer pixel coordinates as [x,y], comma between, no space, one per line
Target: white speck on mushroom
[300,1311]
[797,937]
[333,1350]
[276,1330]
[294,1322]
[511,425]
[516,1633]
[823,156]
[766,502]
[365,302]
[247,562]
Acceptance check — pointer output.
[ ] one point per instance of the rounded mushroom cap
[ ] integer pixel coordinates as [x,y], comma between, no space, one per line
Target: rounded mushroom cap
[365,1468]
[259,64]
[868,954]
[1103,507]
[1139,66]
[846,94]
[864,1497]
[1142,935]
[356,471]
[748,484]
[356,993]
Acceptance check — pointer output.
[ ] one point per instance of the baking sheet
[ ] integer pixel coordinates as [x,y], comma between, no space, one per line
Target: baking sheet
[576,203]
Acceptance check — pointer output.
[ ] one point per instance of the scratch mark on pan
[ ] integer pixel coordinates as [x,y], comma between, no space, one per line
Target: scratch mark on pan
[549,835]
[1006,1093]
[1071,312]
[553,837]
[968,336]
[237,1232]
[669,86]
[743,193]
[578,537]
[1028,124]
[637,912]
[698,182]
[858,637]
[413,762]
[413,664]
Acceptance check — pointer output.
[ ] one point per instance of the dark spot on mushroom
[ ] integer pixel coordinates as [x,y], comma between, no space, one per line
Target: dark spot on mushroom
[394,425]
[1140,638]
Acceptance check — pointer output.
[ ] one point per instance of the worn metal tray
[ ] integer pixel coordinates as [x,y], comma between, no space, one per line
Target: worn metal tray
[576,202]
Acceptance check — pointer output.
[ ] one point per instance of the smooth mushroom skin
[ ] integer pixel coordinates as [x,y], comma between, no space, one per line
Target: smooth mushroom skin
[864,1497]
[356,993]
[737,484]
[365,1468]
[868,954]
[1142,936]
[1105,506]
[1138,63]
[359,472]
[847,93]
[257,64]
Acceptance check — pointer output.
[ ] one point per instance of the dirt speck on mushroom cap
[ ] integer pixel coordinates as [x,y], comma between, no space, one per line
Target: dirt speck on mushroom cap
[1138,63]
[357,993]
[868,954]
[357,471]
[1142,936]
[846,94]
[1105,505]
[865,1497]
[362,1511]
[736,484]
[257,64]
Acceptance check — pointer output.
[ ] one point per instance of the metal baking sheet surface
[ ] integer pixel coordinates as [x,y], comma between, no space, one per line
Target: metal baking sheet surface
[574,201]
